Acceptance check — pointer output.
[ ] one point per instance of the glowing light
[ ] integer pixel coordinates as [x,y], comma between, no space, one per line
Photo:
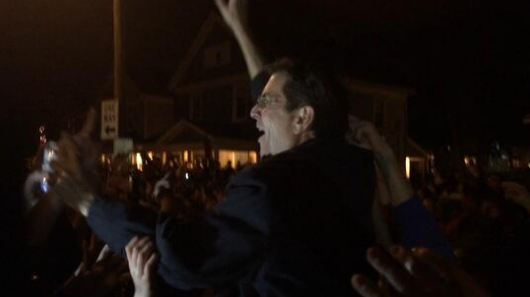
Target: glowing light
[139,162]
[42,137]
[164,158]
[185,156]
[253,157]
[102,158]
[150,155]
[187,176]
[407,167]
[234,157]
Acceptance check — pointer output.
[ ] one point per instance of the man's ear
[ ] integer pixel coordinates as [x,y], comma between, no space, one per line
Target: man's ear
[303,118]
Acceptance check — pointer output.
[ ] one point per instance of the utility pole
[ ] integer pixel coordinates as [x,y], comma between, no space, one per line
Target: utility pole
[119,71]
[113,111]
[118,50]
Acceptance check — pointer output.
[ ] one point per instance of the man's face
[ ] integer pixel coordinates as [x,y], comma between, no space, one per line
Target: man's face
[273,119]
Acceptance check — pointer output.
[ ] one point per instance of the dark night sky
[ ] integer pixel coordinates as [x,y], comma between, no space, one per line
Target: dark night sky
[467,60]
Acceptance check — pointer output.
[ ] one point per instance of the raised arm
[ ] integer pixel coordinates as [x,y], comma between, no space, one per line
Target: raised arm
[416,227]
[366,135]
[235,15]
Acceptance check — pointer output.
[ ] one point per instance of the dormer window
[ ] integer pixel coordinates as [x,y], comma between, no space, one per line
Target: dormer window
[217,55]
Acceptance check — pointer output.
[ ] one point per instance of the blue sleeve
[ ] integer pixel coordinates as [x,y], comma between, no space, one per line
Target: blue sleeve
[116,222]
[216,249]
[417,228]
[222,247]
[258,84]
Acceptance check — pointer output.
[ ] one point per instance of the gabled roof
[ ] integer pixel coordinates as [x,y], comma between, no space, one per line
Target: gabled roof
[381,89]
[211,22]
[415,150]
[181,128]
[186,132]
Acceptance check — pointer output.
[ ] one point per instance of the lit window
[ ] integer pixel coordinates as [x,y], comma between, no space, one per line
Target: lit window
[253,157]
[235,157]
[139,162]
[218,55]
[407,167]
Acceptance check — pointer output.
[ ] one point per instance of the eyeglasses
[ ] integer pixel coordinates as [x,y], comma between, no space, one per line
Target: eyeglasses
[266,99]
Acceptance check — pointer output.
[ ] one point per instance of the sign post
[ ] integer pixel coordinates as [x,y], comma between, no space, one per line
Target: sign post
[109,119]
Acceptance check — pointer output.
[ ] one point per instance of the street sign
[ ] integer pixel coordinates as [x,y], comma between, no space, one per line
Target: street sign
[109,119]
[123,146]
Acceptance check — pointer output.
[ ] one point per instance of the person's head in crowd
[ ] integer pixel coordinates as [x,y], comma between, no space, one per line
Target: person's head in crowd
[425,193]
[429,205]
[297,104]
[494,182]
[470,197]
[448,210]
[491,208]
[427,198]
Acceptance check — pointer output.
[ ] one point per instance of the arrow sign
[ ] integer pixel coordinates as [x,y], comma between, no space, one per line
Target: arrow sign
[109,119]
[110,131]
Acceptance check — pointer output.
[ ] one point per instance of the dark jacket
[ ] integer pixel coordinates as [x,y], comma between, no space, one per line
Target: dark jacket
[297,224]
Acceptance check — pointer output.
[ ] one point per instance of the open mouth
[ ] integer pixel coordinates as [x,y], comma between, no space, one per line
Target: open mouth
[261,132]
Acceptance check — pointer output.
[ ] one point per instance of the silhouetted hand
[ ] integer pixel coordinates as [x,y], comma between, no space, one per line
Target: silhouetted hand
[104,278]
[413,274]
[365,135]
[517,193]
[392,185]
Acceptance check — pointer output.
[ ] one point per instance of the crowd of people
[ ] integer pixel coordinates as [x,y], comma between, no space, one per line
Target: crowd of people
[486,220]
[327,211]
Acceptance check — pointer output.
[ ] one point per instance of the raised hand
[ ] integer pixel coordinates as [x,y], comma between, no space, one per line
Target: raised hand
[365,135]
[391,179]
[162,185]
[234,13]
[74,180]
[142,265]
[413,274]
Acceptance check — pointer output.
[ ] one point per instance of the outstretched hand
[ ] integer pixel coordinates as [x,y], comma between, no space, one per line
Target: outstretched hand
[420,272]
[142,265]
[75,172]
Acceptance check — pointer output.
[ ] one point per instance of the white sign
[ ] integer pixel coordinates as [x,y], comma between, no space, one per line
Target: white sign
[123,145]
[109,119]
